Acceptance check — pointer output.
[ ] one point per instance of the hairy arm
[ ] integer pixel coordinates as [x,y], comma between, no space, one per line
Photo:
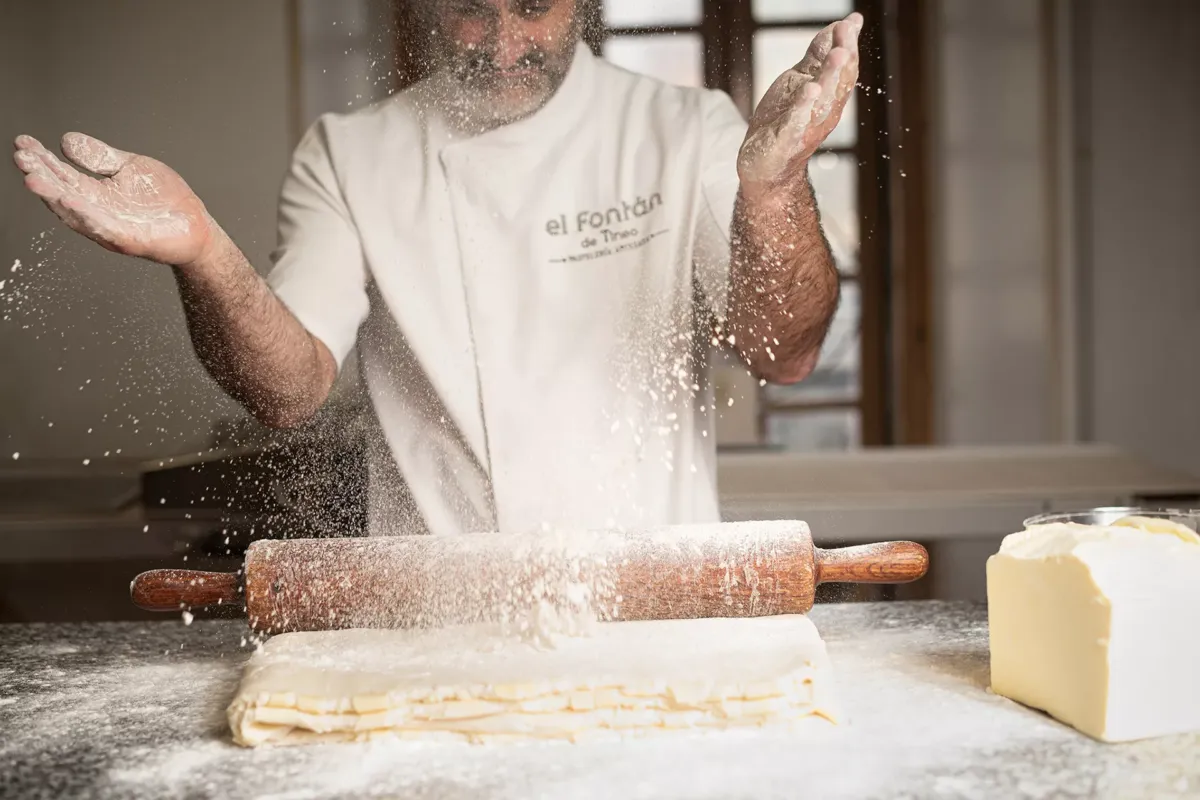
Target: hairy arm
[250,342]
[783,284]
[783,279]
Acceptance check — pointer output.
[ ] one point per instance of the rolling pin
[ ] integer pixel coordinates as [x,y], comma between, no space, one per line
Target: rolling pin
[742,569]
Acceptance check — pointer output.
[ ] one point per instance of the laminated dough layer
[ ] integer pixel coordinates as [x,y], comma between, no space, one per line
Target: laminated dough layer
[470,683]
[1097,626]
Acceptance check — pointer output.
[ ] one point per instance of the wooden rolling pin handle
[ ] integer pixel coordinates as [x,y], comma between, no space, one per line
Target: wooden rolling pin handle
[173,589]
[886,562]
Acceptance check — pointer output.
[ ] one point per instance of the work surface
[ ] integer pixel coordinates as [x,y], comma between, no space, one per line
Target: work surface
[137,710]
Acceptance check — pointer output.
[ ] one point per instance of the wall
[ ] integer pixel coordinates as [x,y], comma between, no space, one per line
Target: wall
[993,256]
[96,341]
[1139,75]
[1067,268]
[347,53]
[1067,263]
[18,51]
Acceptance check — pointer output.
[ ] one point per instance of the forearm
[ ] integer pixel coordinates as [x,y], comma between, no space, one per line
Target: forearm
[250,342]
[783,283]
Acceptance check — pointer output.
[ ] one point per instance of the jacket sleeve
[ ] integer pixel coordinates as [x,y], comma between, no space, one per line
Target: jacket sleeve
[319,270]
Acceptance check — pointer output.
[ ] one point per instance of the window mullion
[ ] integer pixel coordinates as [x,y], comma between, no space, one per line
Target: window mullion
[739,27]
[716,44]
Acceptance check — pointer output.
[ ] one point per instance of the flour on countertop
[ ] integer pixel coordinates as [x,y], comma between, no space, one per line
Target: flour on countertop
[913,675]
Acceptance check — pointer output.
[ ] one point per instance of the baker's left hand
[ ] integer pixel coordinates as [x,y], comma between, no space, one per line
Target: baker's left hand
[800,109]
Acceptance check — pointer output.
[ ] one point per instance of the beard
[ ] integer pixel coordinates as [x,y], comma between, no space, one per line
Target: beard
[486,96]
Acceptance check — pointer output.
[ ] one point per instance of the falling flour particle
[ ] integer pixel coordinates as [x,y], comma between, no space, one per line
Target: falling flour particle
[87,461]
[187,617]
[16,265]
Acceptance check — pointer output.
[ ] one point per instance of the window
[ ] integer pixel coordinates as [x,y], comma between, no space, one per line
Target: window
[662,39]
[672,57]
[741,47]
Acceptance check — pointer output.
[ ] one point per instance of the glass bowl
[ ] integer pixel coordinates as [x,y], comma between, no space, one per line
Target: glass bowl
[1107,515]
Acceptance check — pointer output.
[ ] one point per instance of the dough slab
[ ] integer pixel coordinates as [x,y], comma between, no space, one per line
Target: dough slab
[469,683]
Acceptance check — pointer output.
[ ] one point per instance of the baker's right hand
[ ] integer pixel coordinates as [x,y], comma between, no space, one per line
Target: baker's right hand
[139,207]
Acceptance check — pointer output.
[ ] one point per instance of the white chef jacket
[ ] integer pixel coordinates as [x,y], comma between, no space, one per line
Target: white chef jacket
[532,306]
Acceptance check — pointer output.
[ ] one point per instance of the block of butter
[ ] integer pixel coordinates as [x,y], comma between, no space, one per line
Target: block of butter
[1099,626]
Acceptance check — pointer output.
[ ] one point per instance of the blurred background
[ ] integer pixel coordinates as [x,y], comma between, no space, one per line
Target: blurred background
[1011,198]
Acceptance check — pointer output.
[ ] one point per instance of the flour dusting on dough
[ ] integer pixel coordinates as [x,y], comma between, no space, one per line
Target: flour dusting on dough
[478,684]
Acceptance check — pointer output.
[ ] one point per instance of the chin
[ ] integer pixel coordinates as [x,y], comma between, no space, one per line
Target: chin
[513,110]
[503,107]
[500,102]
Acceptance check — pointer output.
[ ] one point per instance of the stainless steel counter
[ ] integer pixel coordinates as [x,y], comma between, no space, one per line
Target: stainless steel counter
[137,710]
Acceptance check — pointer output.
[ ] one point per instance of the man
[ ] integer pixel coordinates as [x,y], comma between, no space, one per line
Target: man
[535,253]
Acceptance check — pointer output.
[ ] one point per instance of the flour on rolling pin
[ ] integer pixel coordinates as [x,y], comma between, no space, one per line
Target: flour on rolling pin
[537,586]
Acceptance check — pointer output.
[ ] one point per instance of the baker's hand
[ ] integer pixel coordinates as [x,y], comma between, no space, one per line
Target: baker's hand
[139,207]
[800,109]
